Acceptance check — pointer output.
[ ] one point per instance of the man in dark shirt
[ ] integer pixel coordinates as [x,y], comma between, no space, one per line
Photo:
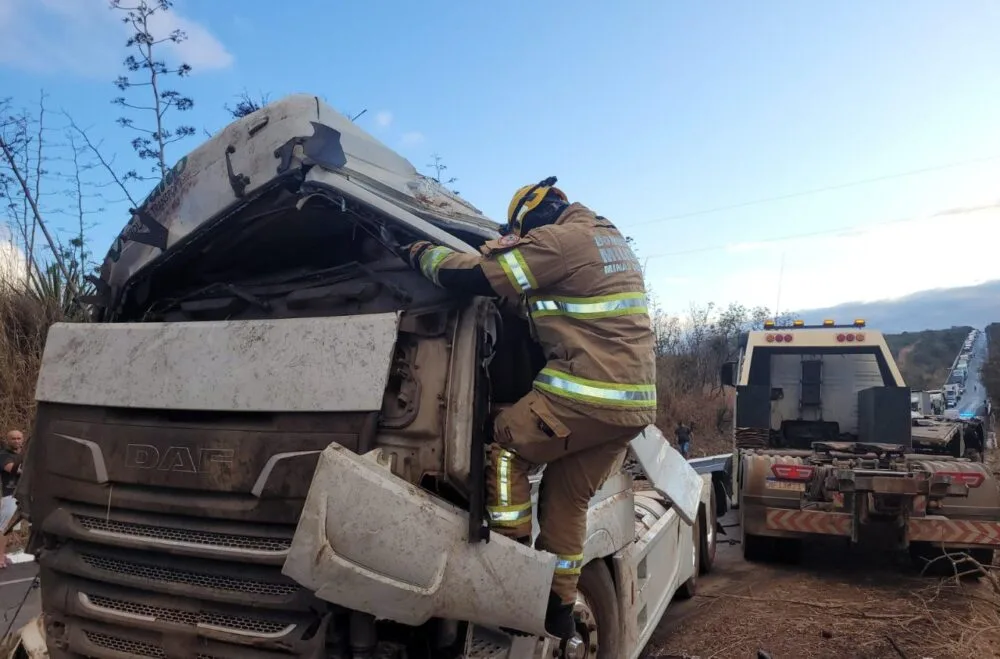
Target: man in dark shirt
[10,471]
[683,434]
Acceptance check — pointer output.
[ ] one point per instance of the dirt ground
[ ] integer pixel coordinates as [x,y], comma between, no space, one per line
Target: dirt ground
[834,604]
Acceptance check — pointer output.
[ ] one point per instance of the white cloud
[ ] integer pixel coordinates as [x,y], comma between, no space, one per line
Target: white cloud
[200,49]
[383,119]
[86,38]
[412,138]
[13,265]
[884,261]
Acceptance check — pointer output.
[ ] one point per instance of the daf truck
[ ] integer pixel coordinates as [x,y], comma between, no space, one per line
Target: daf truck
[824,445]
[270,441]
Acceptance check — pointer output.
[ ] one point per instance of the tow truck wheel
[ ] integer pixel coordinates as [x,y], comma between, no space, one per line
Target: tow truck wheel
[709,539]
[596,613]
[689,588]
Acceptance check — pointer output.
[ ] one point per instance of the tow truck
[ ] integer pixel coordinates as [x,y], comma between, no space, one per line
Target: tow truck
[824,446]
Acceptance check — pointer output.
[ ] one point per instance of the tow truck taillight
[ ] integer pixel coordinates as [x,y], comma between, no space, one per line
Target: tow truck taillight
[792,472]
[968,478]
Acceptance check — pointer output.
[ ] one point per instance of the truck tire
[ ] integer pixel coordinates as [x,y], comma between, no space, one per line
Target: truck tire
[709,539]
[756,548]
[689,588]
[598,618]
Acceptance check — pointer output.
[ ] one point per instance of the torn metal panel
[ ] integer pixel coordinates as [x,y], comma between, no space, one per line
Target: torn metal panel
[331,364]
[371,542]
[669,473]
[26,643]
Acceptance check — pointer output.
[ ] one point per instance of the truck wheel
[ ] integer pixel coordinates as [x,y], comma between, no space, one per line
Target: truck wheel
[596,612]
[689,588]
[756,547]
[709,537]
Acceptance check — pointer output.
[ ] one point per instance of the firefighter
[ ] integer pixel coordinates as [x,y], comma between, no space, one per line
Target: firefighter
[583,290]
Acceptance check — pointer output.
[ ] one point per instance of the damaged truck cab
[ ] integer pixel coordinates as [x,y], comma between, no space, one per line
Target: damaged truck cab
[271,441]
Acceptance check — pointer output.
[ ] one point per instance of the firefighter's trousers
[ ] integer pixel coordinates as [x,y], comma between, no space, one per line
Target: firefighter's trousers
[579,453]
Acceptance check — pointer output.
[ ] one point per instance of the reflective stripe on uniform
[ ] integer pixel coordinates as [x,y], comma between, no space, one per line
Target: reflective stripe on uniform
[517,271]
[503,477]
[604,306]
[569,563]
[505,513]
[593,391]
[430,261]
[511,516]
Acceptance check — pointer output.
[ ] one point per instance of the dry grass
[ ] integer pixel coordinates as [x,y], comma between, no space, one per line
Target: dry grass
[709,410]
[24,322]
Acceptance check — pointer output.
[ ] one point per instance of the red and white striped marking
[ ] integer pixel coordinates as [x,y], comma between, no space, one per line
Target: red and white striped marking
[808,521]
[954,531]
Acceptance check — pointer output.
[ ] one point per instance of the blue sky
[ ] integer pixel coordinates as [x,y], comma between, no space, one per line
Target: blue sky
[645,111]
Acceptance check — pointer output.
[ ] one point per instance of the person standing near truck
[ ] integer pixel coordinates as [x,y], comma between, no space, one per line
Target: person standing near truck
[683,434]
[585,295]
[10,471]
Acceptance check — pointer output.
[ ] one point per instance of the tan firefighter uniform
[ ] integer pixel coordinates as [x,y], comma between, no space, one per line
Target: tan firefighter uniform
[584,291]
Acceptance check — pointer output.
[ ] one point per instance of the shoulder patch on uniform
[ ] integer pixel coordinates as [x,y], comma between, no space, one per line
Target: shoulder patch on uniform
[509,240]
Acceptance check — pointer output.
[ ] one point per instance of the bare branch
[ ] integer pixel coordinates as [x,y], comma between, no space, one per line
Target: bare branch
[95,149]
[60,263]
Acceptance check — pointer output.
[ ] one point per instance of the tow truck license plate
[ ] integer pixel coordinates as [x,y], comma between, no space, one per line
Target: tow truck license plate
[794,486]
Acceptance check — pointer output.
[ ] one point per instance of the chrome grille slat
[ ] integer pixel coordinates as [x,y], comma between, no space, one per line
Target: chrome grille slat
[190,537]
[179,576]
[234,624]
[125,645]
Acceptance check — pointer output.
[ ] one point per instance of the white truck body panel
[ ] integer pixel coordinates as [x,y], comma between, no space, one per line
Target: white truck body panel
[669,472]
[333,364]
[369,541]
[372,542]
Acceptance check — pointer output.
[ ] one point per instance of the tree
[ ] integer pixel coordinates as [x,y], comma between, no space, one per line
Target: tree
[438,166]
[146,70]
[246,104]
[18,191]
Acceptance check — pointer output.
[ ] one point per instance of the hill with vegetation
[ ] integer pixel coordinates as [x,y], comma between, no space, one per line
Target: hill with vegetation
[965,305]
[925,358]
[990,374]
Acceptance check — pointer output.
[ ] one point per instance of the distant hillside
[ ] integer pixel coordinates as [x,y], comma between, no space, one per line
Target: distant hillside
[975,306]
[924,358]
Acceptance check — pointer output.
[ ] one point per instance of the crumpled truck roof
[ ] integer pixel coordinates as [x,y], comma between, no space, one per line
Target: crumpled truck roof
[247,156]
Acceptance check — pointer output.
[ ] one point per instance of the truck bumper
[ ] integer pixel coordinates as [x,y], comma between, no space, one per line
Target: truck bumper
[371,542]
[28,642]
[934,529]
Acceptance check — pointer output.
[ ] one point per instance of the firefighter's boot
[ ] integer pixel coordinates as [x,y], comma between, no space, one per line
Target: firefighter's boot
[559,620]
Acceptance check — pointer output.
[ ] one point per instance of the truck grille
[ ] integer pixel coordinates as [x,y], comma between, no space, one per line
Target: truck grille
[124,645]
[226,623]
[167,575]
[137,561]
[166,535]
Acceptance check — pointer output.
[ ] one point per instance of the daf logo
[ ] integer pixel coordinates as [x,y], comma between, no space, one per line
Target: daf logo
[176,458]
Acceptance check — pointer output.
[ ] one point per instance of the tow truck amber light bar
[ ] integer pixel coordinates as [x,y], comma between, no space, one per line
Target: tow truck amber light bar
[968,478]
[827,324]
[786,472]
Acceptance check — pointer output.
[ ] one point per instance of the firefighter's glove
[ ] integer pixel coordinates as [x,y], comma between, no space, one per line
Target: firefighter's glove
[414,251]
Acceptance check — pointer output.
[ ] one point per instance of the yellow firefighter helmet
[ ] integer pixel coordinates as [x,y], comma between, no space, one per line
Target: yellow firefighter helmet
[526,199]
